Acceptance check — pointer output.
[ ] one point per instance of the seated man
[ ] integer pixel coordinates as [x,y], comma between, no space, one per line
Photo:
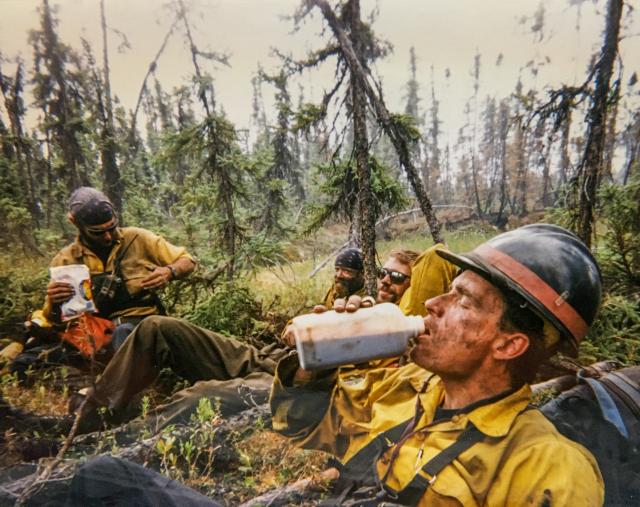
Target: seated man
[465,433]
[348,277]
[127,266]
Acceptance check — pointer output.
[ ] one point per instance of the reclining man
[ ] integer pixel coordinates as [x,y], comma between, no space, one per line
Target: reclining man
[131,262]
[455,427]
[394,277]
[238,375]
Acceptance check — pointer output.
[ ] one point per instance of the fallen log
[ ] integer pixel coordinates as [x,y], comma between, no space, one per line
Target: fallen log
[304,490]
[560,384]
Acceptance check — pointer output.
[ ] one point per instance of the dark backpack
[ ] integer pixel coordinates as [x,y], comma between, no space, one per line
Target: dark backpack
[604,416]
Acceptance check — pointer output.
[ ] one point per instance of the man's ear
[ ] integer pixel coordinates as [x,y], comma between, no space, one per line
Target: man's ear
[72,219]
[510,345]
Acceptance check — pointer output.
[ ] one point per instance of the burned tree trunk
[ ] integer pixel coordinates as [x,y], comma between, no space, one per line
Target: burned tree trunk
[113,183]
[504,132]
[610,136]
[361,153]
[591,167]
[398,137]
[565,160]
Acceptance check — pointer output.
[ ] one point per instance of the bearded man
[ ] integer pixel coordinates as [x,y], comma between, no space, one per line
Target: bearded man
[348,276]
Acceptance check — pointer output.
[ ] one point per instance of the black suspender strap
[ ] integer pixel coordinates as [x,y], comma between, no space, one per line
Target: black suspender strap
[412,493]
[359,466]
[118,260]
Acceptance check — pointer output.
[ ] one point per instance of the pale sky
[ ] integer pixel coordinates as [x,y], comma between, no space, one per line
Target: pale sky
[446,34]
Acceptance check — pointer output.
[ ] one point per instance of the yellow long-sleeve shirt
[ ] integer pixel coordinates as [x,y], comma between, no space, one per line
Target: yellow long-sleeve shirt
[522,461]
[147,252]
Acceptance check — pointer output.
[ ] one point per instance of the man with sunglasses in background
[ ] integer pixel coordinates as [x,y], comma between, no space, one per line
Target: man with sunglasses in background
[127,266]
[394,277]
[406,279]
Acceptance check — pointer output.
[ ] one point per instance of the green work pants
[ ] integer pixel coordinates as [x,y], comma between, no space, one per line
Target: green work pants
[236,374]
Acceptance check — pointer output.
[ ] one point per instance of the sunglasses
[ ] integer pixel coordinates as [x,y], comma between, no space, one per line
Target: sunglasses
[101,232]
[395,276]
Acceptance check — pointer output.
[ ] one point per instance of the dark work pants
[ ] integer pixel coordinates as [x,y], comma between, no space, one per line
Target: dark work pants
[238,374]
[114,482]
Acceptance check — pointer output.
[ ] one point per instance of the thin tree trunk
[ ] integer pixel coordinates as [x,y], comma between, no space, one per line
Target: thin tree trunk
[519,200]
[383,116]
[546,179]
[143,88]
[504,133]
[434,159]
[220,174]
[113,183]
[474,167]
[363,170]
[610,137]
[633,152]
[565,160]
[474,179]
[49,179]
[592,163]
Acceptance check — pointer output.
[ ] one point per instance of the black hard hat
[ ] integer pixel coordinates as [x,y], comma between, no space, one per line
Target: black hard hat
[550,267]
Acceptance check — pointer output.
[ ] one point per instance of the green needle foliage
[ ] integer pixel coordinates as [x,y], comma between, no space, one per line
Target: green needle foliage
[340,193]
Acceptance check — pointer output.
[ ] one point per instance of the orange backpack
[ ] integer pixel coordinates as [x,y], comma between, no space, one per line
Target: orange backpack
[88,334]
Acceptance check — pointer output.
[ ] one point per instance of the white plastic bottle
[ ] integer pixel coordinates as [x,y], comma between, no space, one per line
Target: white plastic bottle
[329,339]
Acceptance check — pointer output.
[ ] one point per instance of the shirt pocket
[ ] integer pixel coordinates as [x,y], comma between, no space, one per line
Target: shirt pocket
[134,271]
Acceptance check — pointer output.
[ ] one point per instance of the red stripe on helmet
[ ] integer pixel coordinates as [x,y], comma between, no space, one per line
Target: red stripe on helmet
[555,303]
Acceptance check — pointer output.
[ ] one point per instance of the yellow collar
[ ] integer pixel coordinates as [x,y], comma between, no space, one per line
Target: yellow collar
[494,419]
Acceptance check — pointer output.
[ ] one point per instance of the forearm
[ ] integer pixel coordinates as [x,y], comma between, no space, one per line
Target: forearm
[182,267]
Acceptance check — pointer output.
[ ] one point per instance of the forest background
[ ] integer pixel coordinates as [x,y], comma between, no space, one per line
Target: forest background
[265,144]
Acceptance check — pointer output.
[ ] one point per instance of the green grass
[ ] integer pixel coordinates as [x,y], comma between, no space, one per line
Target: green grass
[289,289]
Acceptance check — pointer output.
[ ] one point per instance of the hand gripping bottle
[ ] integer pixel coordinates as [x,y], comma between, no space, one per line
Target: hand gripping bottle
[329,339]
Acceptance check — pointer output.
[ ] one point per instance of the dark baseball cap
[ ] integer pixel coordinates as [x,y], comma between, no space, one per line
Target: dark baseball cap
[90,206]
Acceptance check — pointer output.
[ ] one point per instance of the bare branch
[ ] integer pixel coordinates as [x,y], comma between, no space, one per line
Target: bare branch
[150,70]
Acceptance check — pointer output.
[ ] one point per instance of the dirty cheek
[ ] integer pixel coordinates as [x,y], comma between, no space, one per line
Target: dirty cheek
[467,324]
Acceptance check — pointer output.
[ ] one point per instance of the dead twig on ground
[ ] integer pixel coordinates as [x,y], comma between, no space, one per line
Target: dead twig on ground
[43,478]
